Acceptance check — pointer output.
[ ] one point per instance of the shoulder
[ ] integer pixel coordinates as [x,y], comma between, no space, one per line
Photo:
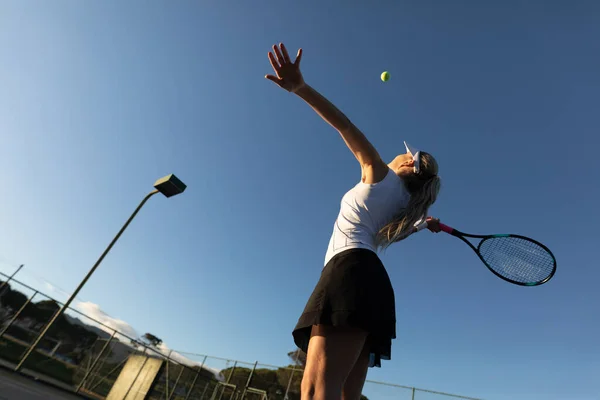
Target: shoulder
[388,178]
[375,173]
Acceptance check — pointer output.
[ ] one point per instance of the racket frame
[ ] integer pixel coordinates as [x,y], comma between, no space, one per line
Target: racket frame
[462,236]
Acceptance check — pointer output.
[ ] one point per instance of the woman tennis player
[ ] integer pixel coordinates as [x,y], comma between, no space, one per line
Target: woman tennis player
[350,319]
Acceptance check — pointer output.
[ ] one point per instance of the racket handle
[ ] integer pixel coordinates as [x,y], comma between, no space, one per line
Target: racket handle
[446,228]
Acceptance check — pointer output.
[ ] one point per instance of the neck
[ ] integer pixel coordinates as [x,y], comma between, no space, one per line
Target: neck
[395,165]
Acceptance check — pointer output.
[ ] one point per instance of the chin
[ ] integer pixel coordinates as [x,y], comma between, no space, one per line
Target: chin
[402,172]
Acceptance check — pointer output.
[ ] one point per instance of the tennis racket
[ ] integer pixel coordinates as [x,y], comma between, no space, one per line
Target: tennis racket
[514,258]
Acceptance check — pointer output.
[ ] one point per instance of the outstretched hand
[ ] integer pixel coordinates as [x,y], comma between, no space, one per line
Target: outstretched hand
[287,73]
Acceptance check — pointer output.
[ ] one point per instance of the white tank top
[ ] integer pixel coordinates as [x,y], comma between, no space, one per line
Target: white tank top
[364,210]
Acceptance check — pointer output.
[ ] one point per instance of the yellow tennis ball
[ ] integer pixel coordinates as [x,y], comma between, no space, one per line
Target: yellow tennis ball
[385,76]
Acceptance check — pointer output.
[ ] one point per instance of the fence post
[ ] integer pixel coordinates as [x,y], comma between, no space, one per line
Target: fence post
[249,381]
[14,318]
[167,380]
[89,371]
[222,391]
[10,278]
[287,389]
[176,381]
[204,391]
[195,379]
[228,379]
[231,372]
[413,393]
[35,345]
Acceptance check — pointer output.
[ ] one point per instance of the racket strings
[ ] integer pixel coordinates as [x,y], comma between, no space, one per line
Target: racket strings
[518,259]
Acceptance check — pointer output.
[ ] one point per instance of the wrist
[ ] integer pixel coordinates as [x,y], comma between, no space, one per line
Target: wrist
[301,89]
[421,226]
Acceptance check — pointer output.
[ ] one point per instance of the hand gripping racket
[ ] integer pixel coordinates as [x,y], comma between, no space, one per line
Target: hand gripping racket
[514,258]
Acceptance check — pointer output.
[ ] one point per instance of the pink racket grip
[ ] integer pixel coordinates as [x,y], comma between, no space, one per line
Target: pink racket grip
[446,228]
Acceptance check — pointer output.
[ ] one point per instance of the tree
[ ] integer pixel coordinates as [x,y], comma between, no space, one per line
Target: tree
[298,358]
[12,299]
[82,337]
[44,310]
[152,340]
[4,286]
[49,305]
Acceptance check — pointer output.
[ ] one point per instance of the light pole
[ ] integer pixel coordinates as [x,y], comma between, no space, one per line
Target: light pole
[170,186]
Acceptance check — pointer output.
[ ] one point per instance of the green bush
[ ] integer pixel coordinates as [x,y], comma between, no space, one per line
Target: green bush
[48,366]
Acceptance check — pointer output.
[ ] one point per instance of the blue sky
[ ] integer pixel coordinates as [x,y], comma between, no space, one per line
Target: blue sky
[99,99]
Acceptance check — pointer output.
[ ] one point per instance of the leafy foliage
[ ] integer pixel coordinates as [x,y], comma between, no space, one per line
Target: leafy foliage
[70,335]
[151,339]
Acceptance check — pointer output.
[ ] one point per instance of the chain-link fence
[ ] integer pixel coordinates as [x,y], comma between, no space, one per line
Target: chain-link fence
[84,355]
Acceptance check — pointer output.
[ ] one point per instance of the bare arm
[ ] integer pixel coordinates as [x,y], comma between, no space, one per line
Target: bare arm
[373,168]
[289,77]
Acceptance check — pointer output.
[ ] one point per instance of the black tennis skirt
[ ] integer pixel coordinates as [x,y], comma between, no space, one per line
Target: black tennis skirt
[354,291]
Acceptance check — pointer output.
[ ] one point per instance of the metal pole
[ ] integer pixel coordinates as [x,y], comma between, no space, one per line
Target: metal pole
[195,379]
[167,380]
[285,396]
[99,366]
[83,282]
[204,391]
[413,393]
[228,380]
[87,374]
[10,278]
[231,372]
[176,382]
[14,318]
[249,381]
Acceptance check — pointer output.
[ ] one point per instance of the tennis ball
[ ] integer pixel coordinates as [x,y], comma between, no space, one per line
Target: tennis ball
[385,76]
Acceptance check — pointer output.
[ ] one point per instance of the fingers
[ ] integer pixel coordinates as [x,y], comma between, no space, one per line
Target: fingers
[298,57]
[280,58]
[286,56]
[274,79]
[274,63]
[284,68]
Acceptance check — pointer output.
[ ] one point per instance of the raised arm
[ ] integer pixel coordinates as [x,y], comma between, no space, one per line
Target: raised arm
[289,77]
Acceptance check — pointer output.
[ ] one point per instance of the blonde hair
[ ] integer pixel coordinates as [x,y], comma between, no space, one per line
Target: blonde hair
[423,187]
